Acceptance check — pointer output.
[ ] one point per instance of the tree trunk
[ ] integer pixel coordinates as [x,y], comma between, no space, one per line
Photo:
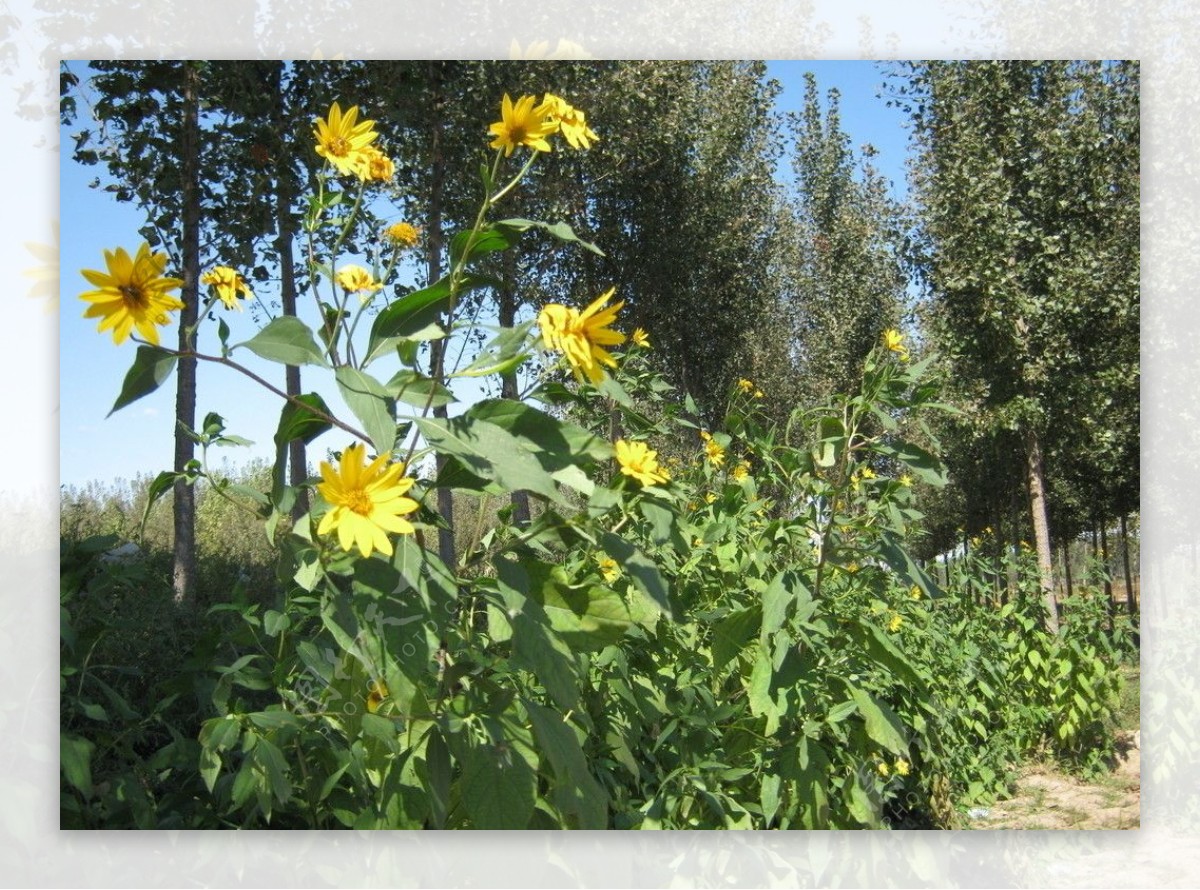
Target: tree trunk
[297,452]
[184,548]
[1108,588]
[1067,565]
[1041,526]
[1130,604]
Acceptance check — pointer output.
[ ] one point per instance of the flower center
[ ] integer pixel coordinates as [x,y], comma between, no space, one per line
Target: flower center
[359,502]
[134,296]
[339,146]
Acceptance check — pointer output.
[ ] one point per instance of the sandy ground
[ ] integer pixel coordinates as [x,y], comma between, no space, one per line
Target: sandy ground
[1046,799]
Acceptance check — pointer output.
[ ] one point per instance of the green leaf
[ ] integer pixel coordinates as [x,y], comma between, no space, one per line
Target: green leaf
[587,618]
[567,441]
[497,787]
[416,389]
[151,366]
[883,726]
[162,483]
[535,647]
[503,354]
[577,793]
[640,568]
[831,441]
[489,452]
[436,777]
[371,404]
[286,340]
[838,713]
[75,760]
[906,568]
[733,632]
[924,465]
[559,230]
[296,422]
[467,245]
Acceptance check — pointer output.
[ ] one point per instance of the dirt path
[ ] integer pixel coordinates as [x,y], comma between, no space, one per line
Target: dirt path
[1047,799]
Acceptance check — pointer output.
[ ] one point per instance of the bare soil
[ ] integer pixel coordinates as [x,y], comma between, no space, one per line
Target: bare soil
[1048,799]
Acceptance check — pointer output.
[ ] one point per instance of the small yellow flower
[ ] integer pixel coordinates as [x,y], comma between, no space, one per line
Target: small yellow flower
[342,137]
[741,471]
[403,234]
[229,285]
[571,122]
[580,336]
[372,165]
[641,463]
[902,767]
[758,393]
[710,498]
[131,294]
[377,691]
[895,623]
[355,278]
[868,473]
[522,124]
[914,593]
[696,542]
[894,341]
[367,501]
[639,338]
[712,449]
[745,385]
[905,480]
[883,769]
[609,570]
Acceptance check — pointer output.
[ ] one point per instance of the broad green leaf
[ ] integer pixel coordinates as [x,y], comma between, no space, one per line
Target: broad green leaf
[831,441]
[75,760]
[436,777]
[416,389]
[769,795]
[838,713]
[587,618]
[758,689]
[535,647]
[503,354]
[577,793]
[151,366]
[883,726]
[904,565]
[497,787]
[467,245]
[640,568]
[490,452]
[559,230]
[924,465]
[414,312]
[733,632]
[371,404]
[296,422]
[548,434]
[287,340]
[163,482]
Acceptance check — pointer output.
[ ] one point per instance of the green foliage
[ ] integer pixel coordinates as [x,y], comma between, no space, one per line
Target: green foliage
[747,644]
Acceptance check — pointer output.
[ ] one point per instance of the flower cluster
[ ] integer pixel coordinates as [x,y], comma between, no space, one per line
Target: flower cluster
[582,336]
[345,141]
[524,123]
[229,285]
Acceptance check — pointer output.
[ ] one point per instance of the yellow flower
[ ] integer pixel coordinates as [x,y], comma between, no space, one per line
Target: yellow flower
[710,498]
[883,769]
[640,338]
[342,138]
[609,570]
[741,471]
[580,335]
[229,284]
[758,393]
[868,473]
[367,501]
[905,480]
[522,124]
[356,278]
[570,120]
[712,449]
[895,623]
[914,593]
[745,385]
[640,462]
[372,165]
[894,340]
[377,691]
[132,294]
[902,767]
[403,234]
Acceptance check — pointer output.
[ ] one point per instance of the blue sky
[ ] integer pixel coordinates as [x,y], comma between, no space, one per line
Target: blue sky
[138,440]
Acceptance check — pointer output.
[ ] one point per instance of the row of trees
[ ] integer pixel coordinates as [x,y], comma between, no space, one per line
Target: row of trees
[1026,236]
